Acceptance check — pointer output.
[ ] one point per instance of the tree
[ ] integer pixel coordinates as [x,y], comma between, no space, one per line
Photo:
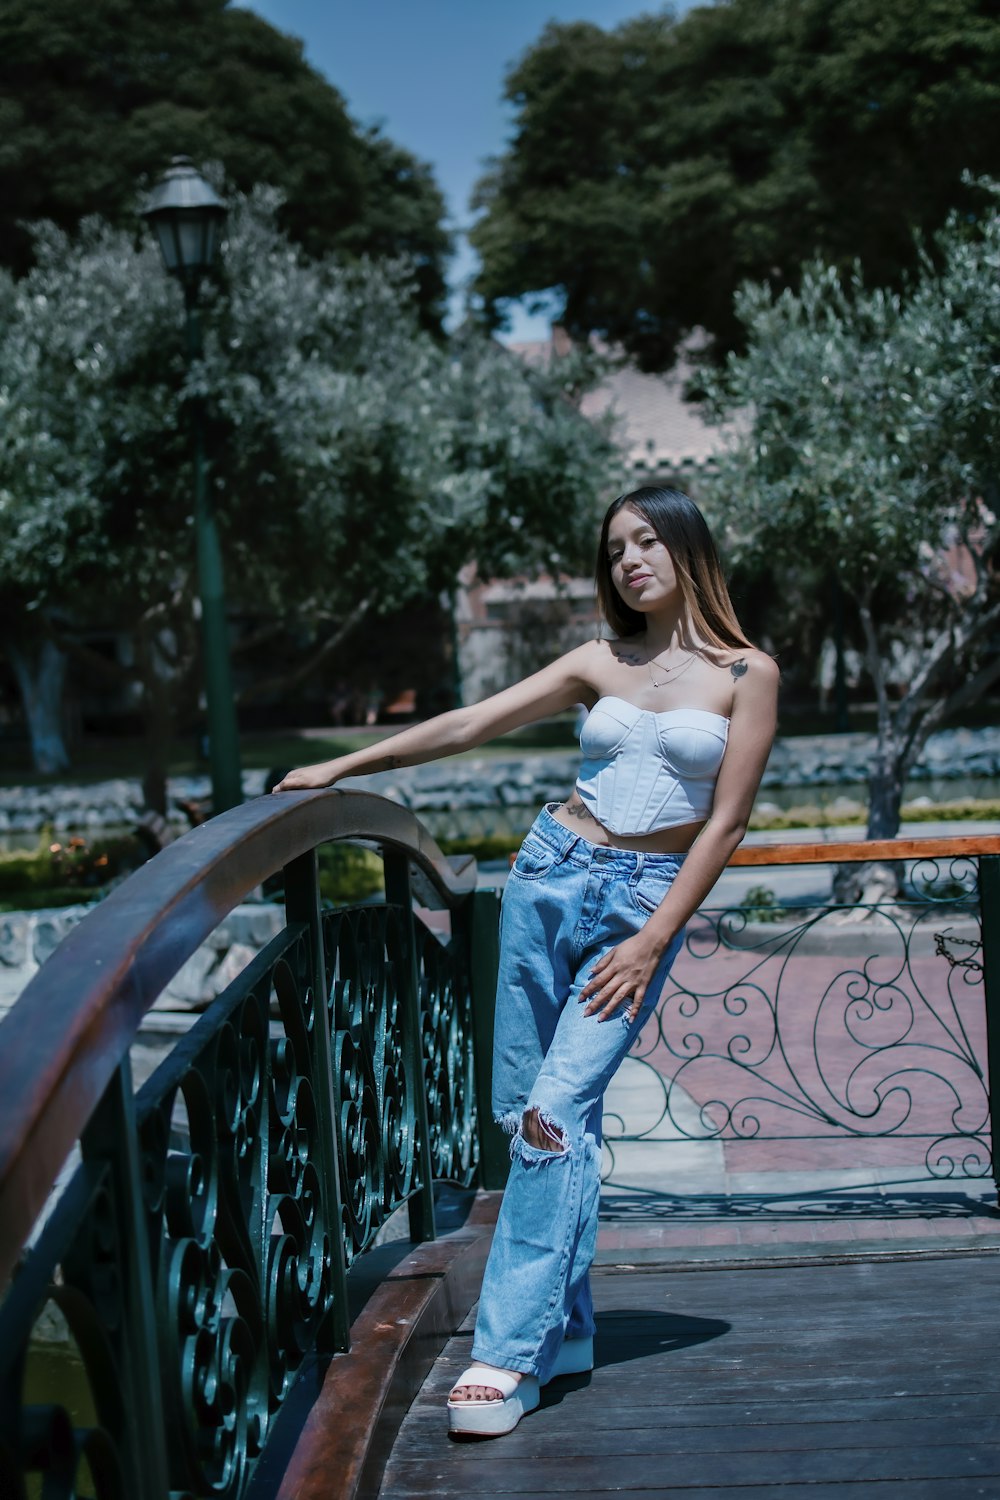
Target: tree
[356,464]
[870,423]
[654,168]
[96,98]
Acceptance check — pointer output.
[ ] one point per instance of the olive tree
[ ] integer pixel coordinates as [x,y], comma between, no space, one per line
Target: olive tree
[867,439]
[355,462]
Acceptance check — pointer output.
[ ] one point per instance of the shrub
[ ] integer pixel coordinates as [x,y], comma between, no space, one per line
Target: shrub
[761,905]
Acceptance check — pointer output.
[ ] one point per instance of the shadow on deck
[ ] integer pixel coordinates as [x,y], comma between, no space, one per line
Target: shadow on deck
[827,1380]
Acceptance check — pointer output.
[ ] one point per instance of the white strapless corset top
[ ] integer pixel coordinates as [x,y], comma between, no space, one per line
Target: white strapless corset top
[643,771]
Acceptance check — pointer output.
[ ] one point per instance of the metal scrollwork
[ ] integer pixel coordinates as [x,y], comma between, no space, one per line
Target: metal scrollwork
[786,1029]
[375,1136]
[449,1078]
[198,1253]
[238,1240]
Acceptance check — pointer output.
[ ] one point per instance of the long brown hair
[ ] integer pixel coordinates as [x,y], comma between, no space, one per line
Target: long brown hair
[684,532]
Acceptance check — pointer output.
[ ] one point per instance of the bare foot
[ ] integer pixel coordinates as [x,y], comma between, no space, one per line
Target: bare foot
[466,1393]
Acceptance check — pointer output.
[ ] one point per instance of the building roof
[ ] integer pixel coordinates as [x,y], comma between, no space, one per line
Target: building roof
[657,428]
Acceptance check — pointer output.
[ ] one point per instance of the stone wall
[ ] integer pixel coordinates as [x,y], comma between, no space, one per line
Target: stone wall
[489,781]
[28,938]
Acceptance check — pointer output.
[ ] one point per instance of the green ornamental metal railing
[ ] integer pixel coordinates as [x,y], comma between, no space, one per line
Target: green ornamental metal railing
[868,1030]
[198,1252]
[198,1249]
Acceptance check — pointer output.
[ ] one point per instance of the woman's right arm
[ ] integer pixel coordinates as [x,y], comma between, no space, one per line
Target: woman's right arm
[556,687]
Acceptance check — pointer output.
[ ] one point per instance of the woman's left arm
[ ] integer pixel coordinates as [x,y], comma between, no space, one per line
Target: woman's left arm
[624,972]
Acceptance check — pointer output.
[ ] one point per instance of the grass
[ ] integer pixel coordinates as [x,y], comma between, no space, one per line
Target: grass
[964,809]
[62,871]
[107,760]
[260,750]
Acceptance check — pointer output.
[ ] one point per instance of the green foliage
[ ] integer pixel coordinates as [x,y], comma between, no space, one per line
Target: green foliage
[486,846]
[867,425]
[762,905]
[945,888]
[94,99]
[655,167]
[64,870]
[355,463]
[963,809]
[349,874]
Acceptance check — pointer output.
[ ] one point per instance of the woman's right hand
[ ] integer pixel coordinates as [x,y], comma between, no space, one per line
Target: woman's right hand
[305,778]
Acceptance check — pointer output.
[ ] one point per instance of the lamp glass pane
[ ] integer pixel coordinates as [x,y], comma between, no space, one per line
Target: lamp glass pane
[213,227]
[191,234]
[167,241]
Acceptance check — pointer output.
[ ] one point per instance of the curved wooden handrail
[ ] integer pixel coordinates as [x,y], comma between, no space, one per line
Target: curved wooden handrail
[855,851]
[75,1020]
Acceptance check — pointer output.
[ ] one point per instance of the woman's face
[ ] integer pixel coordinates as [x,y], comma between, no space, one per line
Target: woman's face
[642,569]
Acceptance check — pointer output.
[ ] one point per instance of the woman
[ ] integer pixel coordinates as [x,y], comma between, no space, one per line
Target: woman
[681,723]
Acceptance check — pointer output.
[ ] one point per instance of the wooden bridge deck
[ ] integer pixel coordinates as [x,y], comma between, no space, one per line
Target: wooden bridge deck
[825,1381]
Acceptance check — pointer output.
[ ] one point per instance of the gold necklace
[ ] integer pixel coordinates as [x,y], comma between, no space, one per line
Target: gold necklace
[672,673]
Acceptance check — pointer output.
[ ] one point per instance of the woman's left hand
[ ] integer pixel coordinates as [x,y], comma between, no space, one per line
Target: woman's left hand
[621,976]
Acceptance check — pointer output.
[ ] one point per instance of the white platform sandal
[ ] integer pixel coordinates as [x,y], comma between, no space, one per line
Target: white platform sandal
[492,1418]
[575,1357]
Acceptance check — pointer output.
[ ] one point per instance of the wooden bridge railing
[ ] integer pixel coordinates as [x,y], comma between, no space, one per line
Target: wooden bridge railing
[199,1249]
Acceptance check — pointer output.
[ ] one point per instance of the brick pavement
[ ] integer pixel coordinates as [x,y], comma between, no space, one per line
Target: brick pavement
[888,1037]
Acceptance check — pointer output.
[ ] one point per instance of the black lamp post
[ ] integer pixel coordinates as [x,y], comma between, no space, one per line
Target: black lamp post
[188,218]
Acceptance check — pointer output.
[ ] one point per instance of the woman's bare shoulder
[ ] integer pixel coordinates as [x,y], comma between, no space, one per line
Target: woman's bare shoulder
[746,661]
[628,649]
[588,664]
[587,654]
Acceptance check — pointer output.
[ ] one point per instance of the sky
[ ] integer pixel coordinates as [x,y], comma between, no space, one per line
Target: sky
[431,73]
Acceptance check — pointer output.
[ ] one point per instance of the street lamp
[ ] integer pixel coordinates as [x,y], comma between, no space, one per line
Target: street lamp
[187,217]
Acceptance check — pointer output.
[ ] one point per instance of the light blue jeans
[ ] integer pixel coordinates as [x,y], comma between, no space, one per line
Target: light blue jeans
[567,901]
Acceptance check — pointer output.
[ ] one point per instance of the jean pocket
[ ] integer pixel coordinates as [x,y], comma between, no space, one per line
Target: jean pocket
[649,890]
[534,857]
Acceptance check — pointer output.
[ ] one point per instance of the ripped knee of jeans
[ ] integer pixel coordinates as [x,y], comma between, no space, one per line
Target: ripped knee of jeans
[543,1132]
[509,1121]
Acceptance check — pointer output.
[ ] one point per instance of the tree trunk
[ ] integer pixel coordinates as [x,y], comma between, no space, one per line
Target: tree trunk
[860,886]
[158,731]
[885,795]
[879,881]
[885,784]
[40,669]
[158,687]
